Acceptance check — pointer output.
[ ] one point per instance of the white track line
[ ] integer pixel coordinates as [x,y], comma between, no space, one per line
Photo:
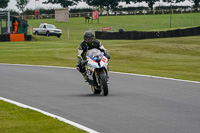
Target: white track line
[156,77]
[51,115]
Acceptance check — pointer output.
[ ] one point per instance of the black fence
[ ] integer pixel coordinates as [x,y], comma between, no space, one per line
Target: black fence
[137,35]
[6,38]
[28,37]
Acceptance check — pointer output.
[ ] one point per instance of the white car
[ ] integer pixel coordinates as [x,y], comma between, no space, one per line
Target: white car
[48,30]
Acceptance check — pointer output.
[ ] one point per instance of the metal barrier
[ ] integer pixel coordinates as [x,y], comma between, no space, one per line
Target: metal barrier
[137,35]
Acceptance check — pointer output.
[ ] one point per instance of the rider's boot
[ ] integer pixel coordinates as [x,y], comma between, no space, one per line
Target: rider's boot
[85,76]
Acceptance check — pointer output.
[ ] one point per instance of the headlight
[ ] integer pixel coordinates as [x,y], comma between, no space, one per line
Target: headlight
[95,58]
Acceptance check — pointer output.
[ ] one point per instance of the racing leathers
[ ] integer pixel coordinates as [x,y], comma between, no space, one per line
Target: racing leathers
[82,50]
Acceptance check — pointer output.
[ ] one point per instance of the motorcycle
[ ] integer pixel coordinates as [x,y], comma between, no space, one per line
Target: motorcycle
[97,71]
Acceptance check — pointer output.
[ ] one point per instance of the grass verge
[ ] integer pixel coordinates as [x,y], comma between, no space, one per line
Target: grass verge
[14,119]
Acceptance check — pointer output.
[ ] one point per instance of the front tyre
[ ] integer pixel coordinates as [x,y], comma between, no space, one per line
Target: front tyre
[103,84]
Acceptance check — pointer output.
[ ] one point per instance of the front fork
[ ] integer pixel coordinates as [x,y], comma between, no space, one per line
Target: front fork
[97,75]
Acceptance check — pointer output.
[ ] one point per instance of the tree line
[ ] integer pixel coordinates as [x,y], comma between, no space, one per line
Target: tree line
[102,4]
[113,4]
[21,4]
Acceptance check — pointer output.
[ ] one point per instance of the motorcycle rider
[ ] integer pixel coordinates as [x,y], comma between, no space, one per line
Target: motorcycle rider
[89,43]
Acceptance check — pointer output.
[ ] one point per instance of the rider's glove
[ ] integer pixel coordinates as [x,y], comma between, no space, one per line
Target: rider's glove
[78,66]
[107,55]
[81,63]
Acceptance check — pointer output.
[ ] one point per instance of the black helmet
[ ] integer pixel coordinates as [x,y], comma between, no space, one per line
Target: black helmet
[88,36]
[121,30]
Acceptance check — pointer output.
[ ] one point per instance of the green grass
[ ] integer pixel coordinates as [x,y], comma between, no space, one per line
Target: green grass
[174,58]
[14,119]
[168,57]
[129,23]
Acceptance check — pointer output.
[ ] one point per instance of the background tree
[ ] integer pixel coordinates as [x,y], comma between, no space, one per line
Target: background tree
[149,2]
[196,3]
[21,4]
[107,4]
[4,3]
[63,3]
[152,2]
[174,1]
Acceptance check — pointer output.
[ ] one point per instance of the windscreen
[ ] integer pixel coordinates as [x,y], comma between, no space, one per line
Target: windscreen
[51,26]
[94,52]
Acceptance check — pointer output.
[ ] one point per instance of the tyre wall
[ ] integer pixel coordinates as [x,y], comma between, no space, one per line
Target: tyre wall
[137,35]
[6,38]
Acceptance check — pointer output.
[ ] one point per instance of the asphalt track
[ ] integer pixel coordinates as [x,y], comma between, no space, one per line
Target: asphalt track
[135,104]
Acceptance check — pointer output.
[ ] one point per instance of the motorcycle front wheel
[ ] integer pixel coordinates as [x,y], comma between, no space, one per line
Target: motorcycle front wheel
[103,84]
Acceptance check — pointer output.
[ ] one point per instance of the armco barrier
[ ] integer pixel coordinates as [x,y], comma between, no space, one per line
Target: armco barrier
[6,38]
[28,37]
[137,35]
